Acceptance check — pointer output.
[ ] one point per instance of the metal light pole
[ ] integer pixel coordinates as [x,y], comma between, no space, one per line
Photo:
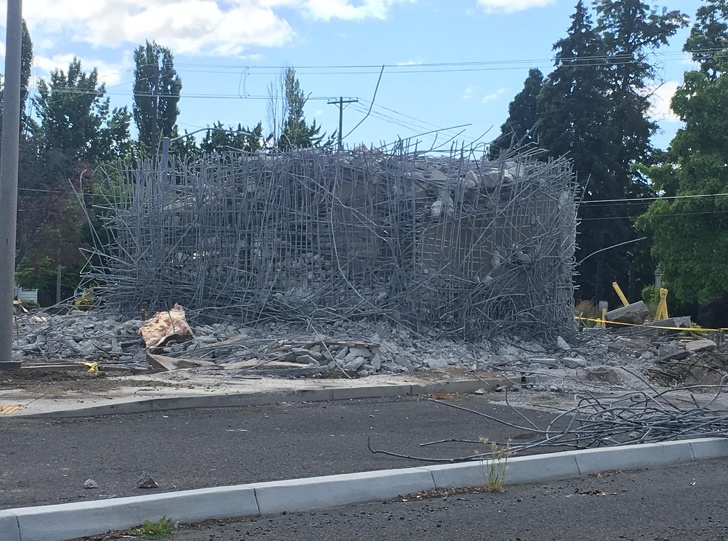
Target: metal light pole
[9,179]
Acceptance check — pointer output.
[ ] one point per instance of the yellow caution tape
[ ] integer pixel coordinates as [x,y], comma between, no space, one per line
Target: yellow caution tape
[684,329]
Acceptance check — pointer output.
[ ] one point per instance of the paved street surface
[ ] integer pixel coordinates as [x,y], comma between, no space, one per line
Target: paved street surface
[684,502]
[46,461]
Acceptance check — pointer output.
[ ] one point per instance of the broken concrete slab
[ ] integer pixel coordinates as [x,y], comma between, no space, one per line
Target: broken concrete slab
[635,313]
[168,364]
[700,345]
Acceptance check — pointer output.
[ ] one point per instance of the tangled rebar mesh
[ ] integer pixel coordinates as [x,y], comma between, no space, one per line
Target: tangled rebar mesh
[469,246]
[644,416]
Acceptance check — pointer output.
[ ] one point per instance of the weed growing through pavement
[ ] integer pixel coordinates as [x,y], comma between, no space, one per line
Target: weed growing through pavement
[495,471]
[155,530]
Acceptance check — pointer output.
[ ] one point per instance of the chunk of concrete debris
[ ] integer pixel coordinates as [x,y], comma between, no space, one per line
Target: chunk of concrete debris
[436,363]
[166,327]
[562,344]
[90,484]
[146,481]
[635,313]
[574,362]
[480,391]
[167,364]
[700,345]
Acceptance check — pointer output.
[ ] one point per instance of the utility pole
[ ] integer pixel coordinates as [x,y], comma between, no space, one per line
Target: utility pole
[9,179]
[340,103]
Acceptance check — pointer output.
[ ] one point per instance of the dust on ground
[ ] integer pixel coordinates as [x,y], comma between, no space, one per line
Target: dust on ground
[61,380]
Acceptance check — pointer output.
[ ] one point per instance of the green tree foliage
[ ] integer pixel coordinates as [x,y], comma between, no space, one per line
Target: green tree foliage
[522,116]
[221,139]
[691,234]
[76,130]
[709,36]
[593,108]
[295,132]
[574,107]
[157,90]
[75,119]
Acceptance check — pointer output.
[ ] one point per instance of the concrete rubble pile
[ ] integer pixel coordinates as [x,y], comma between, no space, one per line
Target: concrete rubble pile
[592,357]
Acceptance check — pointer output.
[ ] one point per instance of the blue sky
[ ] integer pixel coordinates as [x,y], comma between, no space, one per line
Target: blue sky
[447,62]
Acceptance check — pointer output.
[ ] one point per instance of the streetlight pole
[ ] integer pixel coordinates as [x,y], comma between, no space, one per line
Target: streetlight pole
[9,145]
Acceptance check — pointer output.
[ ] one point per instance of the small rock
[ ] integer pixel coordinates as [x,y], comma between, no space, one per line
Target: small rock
[554,389]
[90,483]
[146,481]
[480,391]
[562,344]
[436,364]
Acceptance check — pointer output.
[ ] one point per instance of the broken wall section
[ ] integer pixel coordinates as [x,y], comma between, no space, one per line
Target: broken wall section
[456,243]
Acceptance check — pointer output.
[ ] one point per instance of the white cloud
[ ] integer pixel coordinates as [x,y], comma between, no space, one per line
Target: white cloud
[205,27]
[660,98]
[511,6]
[494,96]
[109,73]
[469,92]
[343,9]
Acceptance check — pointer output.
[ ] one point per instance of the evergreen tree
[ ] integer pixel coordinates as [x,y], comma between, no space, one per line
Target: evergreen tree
[573,108]
[522,116]
[157,90]
[295,131]
[221,139]
[75,118]
[631,31]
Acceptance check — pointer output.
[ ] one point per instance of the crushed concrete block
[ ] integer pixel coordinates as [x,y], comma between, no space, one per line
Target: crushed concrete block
[361,352]
[562,344]
[355,364]
[404,362]
[574,362]
[436,363]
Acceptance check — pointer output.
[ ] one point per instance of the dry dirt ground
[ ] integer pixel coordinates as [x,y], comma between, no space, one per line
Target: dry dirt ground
[58,381]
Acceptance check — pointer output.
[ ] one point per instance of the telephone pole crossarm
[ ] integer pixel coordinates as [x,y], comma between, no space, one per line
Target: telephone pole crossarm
[340,104]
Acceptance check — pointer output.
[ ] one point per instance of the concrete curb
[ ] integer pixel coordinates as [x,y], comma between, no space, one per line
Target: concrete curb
[259,399]
[68,521]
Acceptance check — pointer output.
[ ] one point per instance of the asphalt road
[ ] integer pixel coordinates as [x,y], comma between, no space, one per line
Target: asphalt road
[684,502]
[46,461]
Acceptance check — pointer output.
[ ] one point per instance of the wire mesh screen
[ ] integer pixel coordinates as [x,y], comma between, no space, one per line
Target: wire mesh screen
[454,243]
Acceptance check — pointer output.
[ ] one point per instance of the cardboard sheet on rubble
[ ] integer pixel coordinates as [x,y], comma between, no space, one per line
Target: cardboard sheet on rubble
[166,327]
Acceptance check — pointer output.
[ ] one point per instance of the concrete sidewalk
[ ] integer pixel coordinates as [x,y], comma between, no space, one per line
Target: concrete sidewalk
[68,521]
[209,392]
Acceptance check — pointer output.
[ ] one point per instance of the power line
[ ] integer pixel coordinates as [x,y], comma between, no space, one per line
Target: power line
[656,198]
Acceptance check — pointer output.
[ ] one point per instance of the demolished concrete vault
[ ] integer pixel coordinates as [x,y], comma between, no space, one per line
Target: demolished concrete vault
[456,243]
